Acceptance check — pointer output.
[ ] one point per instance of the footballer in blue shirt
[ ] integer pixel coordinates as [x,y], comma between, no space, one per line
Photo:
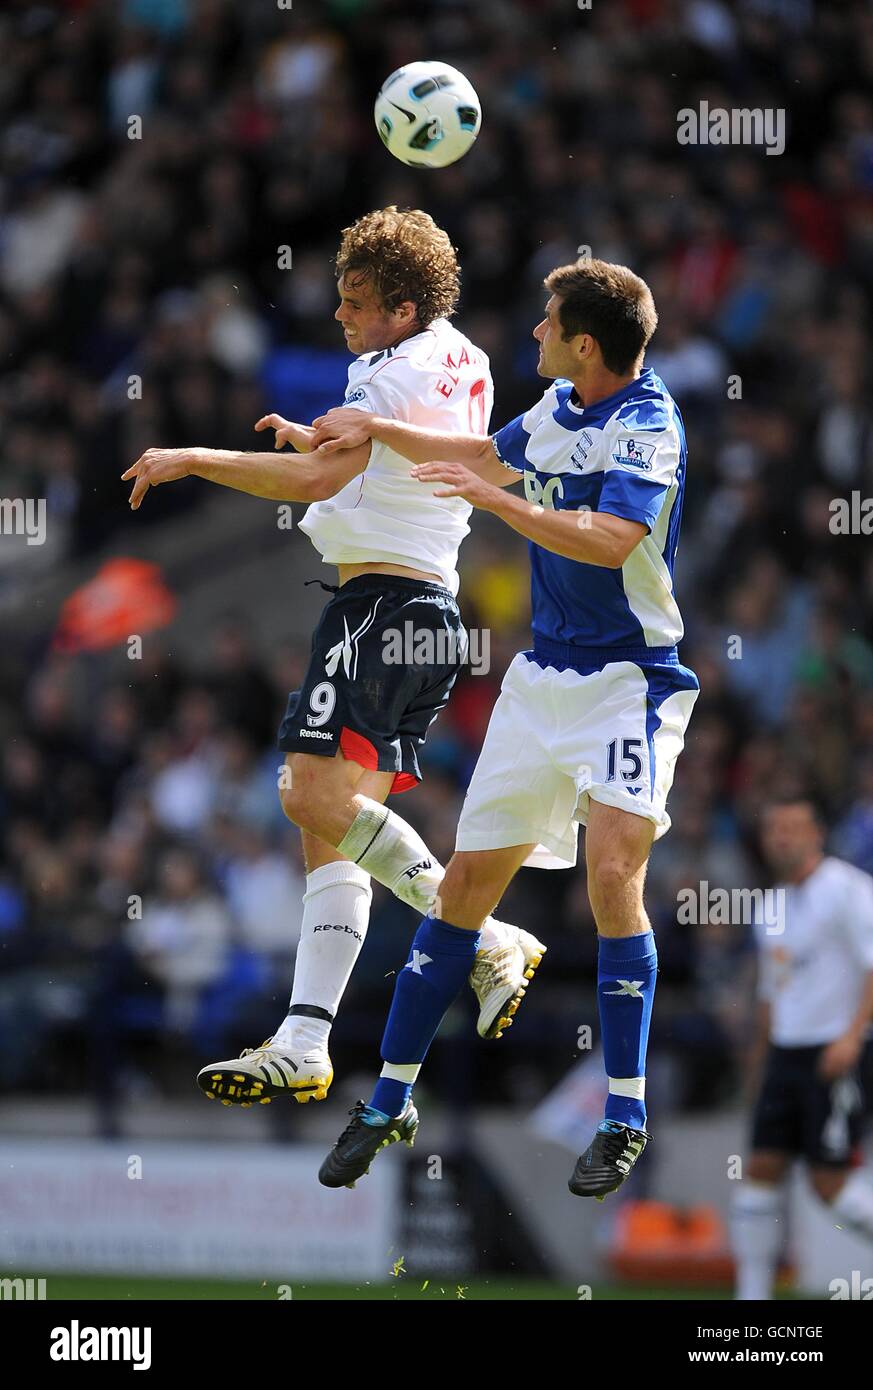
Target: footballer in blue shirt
[590,721]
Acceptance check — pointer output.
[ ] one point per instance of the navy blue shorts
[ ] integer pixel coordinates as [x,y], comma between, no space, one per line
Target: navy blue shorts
[384,658]
[798,1112]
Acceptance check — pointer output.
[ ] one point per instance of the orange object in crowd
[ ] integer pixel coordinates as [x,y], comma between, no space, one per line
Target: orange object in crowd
[125,598]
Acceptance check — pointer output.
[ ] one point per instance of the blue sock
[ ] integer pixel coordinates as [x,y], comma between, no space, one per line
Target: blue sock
[627,969]
[439,962]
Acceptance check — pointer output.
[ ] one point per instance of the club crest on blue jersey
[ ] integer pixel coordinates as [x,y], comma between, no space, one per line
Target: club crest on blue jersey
[580,453]
[631,453]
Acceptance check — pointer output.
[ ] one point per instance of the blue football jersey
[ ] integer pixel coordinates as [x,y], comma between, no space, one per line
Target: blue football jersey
[624,455]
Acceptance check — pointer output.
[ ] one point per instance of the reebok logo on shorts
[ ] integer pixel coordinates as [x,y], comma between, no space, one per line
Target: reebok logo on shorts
[314,733]
[347,650]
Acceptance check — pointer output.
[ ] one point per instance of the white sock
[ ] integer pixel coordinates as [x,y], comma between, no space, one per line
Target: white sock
[388,848]
[757,1236]
[336,913]
[853,1204]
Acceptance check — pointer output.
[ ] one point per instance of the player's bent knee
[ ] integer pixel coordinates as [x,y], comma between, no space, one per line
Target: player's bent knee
[608,881]
[767,1168]
[827,1182]
[292,804]
[301,797]
[465,891]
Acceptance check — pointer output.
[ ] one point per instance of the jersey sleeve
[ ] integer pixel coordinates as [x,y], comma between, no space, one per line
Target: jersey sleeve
[510,442]
[766,978]
[766,973]
[642,467]
[383,388]
[858,918]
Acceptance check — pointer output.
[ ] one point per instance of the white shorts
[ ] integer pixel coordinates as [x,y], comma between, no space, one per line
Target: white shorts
[557,738]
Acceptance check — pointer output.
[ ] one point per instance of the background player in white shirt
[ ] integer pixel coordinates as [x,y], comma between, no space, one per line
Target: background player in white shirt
[590,722]
[351,732]
[816,1007]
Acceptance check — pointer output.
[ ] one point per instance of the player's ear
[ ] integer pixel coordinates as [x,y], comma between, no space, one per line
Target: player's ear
[587,347]
[406,312]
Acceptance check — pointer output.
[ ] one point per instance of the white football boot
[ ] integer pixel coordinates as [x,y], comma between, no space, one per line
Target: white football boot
[500,974]
[259,1074]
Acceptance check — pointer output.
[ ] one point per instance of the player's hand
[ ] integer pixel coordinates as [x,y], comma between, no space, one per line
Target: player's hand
[341,428]
[839,1057]
[459,482]
[287,432]
[157,466]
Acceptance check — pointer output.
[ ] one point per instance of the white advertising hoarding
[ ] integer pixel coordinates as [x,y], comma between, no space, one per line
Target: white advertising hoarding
[194,1209]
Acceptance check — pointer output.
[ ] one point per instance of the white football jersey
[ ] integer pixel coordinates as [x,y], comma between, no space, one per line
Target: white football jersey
[437,379]
[814,964]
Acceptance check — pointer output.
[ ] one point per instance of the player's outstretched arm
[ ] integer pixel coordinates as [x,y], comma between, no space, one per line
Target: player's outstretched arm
[843,1054]
[276,477]
[345,427]
[593,538]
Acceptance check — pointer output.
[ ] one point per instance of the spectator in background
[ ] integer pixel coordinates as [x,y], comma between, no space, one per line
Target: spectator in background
[265,890]
[183,937]
[853,835]
[766,624]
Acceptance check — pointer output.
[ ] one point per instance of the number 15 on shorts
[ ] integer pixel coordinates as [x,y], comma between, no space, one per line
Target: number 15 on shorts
[630,764]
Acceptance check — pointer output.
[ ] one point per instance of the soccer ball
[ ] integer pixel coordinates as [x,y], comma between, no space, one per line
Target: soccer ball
[427,114]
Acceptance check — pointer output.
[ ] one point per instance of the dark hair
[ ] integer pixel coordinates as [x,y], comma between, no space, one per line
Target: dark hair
[796,796]
[405,256]
[609,302]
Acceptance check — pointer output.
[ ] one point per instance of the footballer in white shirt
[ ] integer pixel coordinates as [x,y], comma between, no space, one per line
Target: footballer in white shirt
[352,731]
[815,1014]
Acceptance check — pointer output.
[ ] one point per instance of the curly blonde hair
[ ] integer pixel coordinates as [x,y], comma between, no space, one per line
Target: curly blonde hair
[405,256]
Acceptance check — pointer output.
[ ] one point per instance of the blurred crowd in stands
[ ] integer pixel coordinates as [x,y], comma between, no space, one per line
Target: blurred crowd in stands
[159,159]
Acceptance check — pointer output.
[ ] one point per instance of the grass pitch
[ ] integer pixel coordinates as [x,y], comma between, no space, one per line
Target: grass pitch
[136,1288]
